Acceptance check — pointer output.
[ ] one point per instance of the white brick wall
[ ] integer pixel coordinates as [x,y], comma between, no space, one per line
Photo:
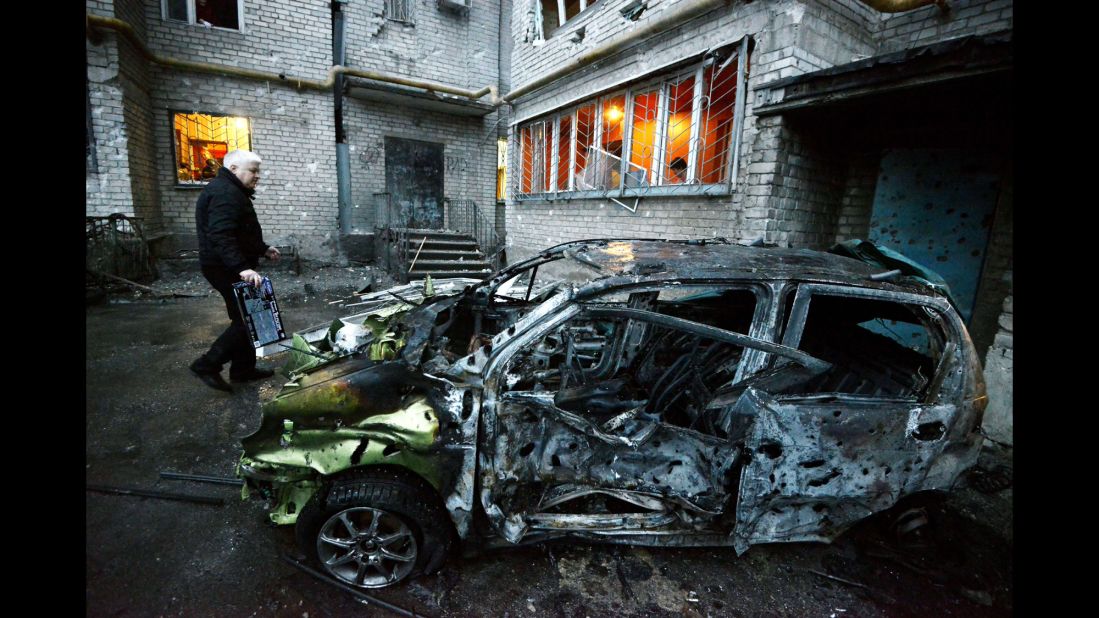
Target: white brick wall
[469,153]
[928,25]
[293,131]
[444,46]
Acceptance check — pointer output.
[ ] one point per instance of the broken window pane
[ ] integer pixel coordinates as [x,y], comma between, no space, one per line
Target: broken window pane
[219,13]
[603,161]
[550,17]
[677,146]
[398,10]
[555,13]
[643,138]
[202,140]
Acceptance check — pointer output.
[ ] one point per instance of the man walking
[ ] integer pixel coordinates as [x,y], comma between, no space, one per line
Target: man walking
[230,243]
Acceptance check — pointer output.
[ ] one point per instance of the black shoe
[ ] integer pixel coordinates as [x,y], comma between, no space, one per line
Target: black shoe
[212,379]
[255,374]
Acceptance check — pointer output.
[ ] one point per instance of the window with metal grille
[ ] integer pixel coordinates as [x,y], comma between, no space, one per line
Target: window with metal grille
[227,14]
[398,10]
[201,142]
[676,133]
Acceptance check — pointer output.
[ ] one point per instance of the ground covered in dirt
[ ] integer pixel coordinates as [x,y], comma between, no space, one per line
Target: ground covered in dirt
[155,557]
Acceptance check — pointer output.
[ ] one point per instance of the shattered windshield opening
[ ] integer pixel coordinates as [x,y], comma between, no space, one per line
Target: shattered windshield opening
[613,368]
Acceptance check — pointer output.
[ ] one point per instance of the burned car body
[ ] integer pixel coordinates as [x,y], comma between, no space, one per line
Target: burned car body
[630,391]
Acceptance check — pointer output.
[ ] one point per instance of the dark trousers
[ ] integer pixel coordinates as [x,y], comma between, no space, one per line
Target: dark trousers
[235,344]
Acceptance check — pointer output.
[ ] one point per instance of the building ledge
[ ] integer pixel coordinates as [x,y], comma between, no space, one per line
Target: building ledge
[403,96]
[920,66]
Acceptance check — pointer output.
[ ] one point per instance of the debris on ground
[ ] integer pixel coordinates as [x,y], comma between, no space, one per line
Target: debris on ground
[149,493]
[316,281]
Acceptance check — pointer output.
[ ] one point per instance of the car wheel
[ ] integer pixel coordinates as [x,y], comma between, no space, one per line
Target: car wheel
[375,528]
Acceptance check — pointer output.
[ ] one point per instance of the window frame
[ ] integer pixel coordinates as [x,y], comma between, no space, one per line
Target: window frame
[192,19]
[172,112]
[561,16]
[410,12]
[656,182]
[950,356]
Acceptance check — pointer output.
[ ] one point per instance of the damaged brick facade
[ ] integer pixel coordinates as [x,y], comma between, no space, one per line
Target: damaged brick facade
[132,102]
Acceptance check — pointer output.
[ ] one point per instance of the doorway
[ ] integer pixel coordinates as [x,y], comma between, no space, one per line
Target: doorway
[414,181]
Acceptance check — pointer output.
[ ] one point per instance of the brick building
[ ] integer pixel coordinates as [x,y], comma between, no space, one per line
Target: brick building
[154,122]
[796,122]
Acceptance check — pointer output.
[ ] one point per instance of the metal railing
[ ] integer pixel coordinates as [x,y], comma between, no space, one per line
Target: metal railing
[116,245]
[395,247]
[463,215]
[391,243]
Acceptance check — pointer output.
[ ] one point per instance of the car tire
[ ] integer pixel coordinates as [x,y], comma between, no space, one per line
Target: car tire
[375,528]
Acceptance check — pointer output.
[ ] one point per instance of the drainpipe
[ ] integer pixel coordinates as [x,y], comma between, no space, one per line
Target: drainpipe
[343,156]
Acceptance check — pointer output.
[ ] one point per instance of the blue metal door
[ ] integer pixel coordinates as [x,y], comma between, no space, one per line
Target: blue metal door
[936,207]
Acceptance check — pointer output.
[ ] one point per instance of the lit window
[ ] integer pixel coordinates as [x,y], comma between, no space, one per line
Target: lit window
[501,167]
[201,141]
[556,12]
[671,134]
[213,13]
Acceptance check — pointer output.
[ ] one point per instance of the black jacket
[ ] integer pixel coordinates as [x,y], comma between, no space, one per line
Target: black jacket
[229,234]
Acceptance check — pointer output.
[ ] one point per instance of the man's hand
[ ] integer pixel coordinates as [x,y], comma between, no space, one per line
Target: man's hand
[273,253]
[251,276]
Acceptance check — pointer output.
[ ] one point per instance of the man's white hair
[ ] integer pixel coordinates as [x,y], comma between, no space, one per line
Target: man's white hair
[240,158]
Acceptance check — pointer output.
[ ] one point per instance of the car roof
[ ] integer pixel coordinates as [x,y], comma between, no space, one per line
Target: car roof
[596,263]
[689,260]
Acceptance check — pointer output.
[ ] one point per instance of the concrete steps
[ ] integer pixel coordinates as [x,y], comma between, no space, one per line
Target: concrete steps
[445,253]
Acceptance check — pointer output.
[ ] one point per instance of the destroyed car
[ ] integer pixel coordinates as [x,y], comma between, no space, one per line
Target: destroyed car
[669,393]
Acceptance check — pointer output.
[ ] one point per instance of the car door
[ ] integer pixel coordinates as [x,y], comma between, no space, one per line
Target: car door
[593,423]
[827,452]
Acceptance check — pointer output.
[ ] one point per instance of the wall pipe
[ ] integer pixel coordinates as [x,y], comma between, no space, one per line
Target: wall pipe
[666,21]
[300,83]
[343,155]
[900,6]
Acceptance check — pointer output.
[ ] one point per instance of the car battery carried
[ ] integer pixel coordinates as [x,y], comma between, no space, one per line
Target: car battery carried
[260,311]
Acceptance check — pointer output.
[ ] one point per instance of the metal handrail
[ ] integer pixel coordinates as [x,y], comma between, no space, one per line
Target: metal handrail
[460,215]
[463,215]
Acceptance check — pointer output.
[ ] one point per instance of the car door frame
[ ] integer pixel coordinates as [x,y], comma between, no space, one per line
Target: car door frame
[818,463]
[544,319]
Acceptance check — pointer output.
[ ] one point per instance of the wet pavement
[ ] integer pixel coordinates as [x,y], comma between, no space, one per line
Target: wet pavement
[154,557]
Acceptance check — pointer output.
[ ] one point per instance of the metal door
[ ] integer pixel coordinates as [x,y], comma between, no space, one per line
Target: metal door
[414,177]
